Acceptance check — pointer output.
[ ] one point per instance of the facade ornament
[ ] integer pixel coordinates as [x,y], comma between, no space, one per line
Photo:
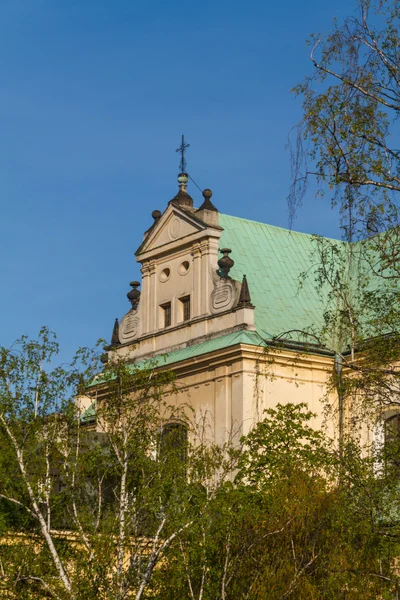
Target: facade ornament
[196,252]
[244,297]
[225,263]
[156,214]
[134,294]
[145,270]
[182,198]
[115,334]
[207,204]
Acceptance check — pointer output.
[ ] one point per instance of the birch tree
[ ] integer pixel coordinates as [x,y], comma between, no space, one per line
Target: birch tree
[91,510]
[346,145]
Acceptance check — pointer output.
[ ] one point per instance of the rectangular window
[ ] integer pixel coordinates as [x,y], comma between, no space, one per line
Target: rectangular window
[185,302]
[167,313]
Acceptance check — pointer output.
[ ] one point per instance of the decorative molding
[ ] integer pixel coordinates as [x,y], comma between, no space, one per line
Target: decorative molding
[174,228]
[145,270]
[152,267]
[204,247]
[129,327]
[196,252]
[224,295]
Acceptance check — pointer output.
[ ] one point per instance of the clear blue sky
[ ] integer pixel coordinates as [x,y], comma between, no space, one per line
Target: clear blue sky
[95,95]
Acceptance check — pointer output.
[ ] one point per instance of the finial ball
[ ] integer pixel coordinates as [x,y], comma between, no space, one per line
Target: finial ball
[207,193]
[156,214]
[183,178]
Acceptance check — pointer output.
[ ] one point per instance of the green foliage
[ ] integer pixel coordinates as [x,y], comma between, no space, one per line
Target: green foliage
[351,102]
[298,521]
[282,444]
[91,510]
[346,142]
[135,509]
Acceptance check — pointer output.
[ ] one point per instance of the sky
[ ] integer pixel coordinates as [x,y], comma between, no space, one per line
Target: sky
[95,95]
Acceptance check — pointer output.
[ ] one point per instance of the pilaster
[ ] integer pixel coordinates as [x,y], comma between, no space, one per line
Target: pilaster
[205,277]
[197,294]
[153,296]
[145,297]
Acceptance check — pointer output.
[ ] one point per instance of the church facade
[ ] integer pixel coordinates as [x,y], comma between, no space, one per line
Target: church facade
[220,305]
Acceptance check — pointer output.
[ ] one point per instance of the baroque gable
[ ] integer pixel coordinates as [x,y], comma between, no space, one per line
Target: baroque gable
[186,293]
[173,227]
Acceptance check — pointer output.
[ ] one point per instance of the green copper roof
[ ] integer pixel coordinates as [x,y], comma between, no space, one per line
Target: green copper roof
[224,341]
[251,338]
[273,260]
[89,414]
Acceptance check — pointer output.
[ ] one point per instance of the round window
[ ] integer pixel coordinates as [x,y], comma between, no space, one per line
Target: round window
[164,275]
[184,268]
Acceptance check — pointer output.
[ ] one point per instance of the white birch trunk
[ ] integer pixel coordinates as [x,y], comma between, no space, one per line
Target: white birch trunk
[36,510]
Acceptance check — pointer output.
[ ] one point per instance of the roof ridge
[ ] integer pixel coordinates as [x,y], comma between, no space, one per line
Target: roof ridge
[292,231]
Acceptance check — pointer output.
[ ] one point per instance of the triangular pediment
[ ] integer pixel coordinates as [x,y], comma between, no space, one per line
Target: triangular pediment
[174,225]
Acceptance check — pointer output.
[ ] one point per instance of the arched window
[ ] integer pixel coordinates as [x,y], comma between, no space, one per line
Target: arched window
[392,439]
[174,441]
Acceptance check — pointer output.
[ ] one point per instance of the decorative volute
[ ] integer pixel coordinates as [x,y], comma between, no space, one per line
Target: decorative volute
[134,294]
[225,263]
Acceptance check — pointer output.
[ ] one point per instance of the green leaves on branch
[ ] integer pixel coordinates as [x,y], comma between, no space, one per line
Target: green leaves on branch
[351,102]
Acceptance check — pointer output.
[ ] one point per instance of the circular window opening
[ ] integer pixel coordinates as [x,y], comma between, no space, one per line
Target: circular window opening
[165,273]
[184,268]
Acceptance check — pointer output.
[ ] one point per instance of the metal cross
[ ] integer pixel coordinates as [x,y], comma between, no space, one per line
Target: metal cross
[181,149]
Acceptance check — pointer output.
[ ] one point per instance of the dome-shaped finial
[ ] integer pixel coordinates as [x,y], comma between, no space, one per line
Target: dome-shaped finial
[134,294]
[156,214]
[182,197]
[207,204]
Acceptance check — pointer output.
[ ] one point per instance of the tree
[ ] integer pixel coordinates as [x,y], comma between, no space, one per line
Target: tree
[135,508]
[91,512]
[347,143]
[288,525]
[347,138]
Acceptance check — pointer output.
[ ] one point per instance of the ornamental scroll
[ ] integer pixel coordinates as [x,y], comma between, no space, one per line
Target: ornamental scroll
[129,327]
[224,295]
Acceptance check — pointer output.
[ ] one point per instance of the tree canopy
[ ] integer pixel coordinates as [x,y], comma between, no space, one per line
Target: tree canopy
[144,505]
[348,138]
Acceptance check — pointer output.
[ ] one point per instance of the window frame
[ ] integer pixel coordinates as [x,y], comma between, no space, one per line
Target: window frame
[166,314]
[181,432]
[185,302]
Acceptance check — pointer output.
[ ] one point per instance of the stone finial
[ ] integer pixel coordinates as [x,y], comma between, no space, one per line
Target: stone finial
[115,334]
[225,263]
[207,204]
[182,198]
[156,214]
[134,294]
[244,297]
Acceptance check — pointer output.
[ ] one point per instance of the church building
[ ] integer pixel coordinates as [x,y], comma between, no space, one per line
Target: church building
[220,304]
